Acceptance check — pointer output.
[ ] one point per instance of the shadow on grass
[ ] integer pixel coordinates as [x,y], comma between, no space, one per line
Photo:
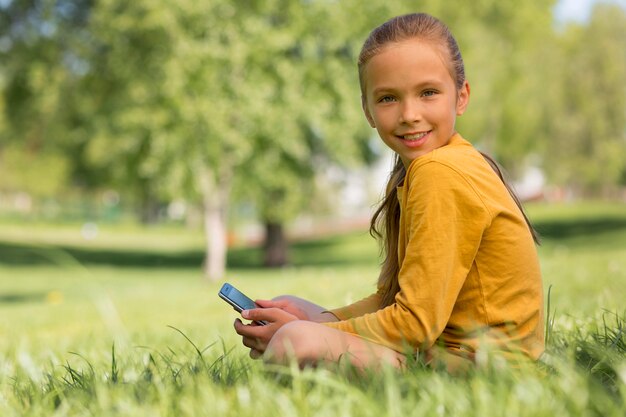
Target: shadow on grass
[26,255]
[322,252]
[564,229]
[330,251]
[15,298]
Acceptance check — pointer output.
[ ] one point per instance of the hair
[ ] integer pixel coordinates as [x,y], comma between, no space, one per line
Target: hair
[385,223]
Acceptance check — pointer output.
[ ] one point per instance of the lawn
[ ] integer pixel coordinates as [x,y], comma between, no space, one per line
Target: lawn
[124,324]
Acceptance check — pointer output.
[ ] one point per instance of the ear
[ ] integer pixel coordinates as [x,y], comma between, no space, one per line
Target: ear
[367,113]
[463,99]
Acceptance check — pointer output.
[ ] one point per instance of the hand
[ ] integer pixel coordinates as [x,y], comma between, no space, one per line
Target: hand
[257,337]
[285,305]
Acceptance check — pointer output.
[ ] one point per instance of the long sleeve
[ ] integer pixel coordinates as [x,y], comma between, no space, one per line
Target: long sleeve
[442,222]
[366,305]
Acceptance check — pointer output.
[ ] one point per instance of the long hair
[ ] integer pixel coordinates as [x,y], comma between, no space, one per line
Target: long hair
[385,223]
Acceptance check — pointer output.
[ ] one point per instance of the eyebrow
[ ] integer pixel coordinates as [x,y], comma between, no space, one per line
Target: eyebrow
[427,83]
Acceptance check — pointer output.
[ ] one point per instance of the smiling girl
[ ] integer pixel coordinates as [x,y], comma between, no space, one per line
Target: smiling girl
[460,273]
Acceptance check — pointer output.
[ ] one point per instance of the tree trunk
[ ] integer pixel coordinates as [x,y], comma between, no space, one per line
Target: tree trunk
[215,194]
[149,210]
[276,254]
[216,243]
[148,203]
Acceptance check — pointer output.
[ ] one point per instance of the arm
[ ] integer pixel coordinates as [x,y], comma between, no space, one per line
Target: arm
[301,308]
[285,308]
[444,220]
[306,310]
[276,313]
[366,305]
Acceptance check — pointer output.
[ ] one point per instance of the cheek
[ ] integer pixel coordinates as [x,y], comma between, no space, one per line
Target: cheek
[383,117]
[450,111]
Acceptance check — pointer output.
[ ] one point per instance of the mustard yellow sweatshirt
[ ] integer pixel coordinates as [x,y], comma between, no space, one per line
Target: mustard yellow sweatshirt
[469,272]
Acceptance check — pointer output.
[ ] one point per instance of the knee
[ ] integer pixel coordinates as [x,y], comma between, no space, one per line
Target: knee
[286,297]
[294,340]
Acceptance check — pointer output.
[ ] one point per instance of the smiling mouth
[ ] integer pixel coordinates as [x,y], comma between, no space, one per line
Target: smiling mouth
[415,136]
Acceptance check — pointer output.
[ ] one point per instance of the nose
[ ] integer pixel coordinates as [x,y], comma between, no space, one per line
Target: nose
[410,111]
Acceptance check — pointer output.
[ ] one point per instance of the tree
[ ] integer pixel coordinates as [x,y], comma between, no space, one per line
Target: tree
[503,44]
[170,101]
[199,94]
[586,119]
[311,116]
[35,71]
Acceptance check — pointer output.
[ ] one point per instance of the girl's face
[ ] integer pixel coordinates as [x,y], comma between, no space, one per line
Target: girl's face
[411,99]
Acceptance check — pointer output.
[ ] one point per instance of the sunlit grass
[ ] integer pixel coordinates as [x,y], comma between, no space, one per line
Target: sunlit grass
[80,335]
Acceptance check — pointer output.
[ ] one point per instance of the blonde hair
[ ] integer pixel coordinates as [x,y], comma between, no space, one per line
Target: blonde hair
[385,223]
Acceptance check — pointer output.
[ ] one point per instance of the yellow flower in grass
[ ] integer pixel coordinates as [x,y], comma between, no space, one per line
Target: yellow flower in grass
[54,297]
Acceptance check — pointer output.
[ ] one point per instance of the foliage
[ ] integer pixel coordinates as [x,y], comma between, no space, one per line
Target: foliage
[501,43]
[125,87]
[224,101]
[40,175]
[35,86]
[307,88]
[586,143]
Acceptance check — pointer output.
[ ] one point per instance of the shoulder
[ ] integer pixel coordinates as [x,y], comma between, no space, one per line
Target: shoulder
[458,153]
[454,170]
[453,161]
[458,159]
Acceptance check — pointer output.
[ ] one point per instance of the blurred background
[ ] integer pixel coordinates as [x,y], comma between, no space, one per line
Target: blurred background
[207,126]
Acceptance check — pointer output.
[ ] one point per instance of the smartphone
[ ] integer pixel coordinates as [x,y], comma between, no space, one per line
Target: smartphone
[238,300]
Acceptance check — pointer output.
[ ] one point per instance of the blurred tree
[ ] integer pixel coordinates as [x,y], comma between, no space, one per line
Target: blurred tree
[195,95]
[586,115]
[40,174]
[310,116]
[503,46]
[189,99]
[36,68]
[169,103]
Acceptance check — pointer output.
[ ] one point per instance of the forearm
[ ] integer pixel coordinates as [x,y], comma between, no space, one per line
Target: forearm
[367,305]
[397,327]
[324,317]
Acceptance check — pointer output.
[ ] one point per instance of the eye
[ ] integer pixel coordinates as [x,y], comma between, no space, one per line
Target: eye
[429,93]
[386,99]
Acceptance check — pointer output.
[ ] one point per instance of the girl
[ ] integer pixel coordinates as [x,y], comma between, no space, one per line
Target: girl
[460,272]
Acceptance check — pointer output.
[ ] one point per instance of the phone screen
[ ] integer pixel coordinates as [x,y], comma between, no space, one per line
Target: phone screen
[236,298]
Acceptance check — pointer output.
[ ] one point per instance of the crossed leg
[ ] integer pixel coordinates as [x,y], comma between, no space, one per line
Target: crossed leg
[310,343]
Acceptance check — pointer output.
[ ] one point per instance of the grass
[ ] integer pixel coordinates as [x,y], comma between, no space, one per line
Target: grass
[124,325]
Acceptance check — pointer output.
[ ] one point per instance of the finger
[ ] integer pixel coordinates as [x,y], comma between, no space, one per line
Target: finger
[268,314]
[266,303]
[249,330]
[280,303]
[239,326]
[251,342]
[255,343]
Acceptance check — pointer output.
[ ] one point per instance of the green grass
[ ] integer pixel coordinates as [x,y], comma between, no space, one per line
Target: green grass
[124,325]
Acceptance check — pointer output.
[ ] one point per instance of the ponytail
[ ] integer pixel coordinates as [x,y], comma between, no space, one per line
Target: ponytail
[385,226]
[494,165]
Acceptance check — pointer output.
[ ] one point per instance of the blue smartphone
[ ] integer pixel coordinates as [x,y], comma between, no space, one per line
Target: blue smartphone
[238,300]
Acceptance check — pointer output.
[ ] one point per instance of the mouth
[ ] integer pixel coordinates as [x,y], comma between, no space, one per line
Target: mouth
[414,137]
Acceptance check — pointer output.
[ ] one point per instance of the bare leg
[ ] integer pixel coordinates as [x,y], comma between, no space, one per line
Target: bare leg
[311,343]
[315,312]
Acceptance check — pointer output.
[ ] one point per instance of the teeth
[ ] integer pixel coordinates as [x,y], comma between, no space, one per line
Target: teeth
[415,136]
